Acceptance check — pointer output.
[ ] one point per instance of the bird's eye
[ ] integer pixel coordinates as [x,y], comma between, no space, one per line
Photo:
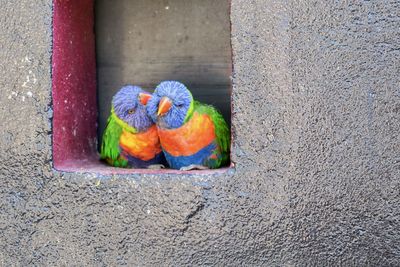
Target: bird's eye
[131,111]
[180,106]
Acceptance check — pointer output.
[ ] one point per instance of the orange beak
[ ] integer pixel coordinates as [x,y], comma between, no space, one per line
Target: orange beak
[164,106]
[144,98]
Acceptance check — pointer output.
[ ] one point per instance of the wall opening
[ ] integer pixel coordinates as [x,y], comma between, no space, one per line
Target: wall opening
[139,42]
[144,42]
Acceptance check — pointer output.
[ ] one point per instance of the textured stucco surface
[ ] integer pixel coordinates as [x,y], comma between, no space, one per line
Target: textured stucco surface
[316,104]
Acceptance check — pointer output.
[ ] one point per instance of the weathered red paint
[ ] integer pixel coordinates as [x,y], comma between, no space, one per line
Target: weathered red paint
[74,82]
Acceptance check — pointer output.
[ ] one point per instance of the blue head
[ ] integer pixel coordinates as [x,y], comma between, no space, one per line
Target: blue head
[170,105]
[130,106]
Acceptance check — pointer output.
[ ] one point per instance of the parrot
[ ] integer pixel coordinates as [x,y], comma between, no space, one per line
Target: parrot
[130,138]
[193,135]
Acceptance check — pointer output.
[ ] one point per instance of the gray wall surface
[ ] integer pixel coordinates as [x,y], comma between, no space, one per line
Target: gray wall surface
[316,104]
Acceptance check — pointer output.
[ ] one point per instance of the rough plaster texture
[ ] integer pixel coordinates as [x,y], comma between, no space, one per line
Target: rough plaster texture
[316,105]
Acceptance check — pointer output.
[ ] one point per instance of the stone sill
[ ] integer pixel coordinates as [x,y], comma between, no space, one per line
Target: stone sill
[92,165]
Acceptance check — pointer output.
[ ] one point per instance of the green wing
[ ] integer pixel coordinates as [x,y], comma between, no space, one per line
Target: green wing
[222,131]
[110,151]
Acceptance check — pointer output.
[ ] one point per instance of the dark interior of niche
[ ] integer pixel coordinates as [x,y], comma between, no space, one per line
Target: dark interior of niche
[140,42]
[144,42]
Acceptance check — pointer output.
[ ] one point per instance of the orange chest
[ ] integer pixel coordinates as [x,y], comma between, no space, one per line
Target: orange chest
[144,146]
[187,140]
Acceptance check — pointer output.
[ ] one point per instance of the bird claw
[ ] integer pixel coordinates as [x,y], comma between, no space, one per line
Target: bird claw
[194,167]
[156,167]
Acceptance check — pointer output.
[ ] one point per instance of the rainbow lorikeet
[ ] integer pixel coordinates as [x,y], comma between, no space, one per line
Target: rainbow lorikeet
[130,138]
[192,135]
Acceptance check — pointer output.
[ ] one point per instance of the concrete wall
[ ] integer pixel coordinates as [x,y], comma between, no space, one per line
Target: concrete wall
[316,104]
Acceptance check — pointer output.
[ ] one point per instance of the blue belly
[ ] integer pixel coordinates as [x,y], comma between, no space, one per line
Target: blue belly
[141,164]
[200,158]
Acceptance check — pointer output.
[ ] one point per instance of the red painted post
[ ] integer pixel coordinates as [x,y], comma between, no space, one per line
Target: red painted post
[74,82]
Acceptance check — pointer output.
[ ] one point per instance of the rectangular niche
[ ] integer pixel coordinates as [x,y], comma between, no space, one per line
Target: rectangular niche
[140,42]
